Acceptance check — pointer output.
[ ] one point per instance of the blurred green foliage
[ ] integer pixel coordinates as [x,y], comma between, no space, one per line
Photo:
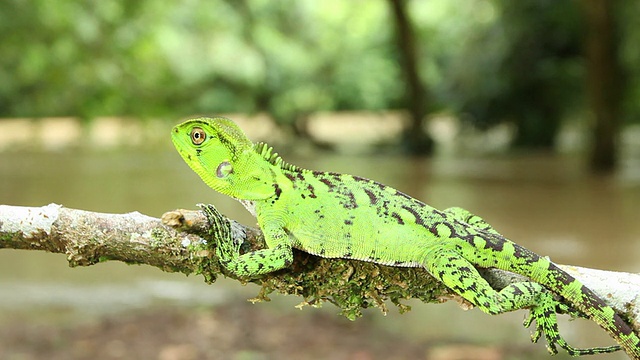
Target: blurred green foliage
[485,60]
[152,58]
[525,65]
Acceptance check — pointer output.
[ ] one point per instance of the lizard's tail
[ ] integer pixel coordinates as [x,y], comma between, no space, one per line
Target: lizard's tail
[588,302]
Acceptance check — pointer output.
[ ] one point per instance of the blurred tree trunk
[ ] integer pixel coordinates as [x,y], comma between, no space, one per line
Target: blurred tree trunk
[415,138]
[542,40]
[603,81]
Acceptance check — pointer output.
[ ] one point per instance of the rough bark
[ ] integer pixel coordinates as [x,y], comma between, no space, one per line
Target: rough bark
[416,140]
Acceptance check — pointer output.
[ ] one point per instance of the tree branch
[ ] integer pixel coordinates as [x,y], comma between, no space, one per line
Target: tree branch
[178,243]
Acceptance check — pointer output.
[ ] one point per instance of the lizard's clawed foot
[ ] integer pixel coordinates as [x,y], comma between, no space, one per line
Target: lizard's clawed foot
[546,321]
[226,248]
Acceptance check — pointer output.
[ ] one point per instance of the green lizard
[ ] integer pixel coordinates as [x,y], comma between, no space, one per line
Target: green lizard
[343,216]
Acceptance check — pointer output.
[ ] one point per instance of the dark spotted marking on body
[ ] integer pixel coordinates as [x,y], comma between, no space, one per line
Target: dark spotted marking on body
[337,177]
[300,176]
[416,215]
[329,184]
[351,203]
[373,199]
[229,144]
[361,179]
[524,253]
[420,220]
[456,232]
[398,218]
[278,190]
[290,176]
[311,190]
[489,243]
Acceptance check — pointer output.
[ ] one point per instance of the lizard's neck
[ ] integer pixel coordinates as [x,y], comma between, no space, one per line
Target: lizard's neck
[251,178]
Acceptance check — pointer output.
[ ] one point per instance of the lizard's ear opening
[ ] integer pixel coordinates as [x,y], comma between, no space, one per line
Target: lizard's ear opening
[224,169]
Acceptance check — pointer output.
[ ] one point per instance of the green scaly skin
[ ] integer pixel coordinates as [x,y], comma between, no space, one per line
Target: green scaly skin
[343,216]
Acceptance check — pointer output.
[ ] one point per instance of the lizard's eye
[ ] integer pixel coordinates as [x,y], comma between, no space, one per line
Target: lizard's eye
[198,136]
[224,169]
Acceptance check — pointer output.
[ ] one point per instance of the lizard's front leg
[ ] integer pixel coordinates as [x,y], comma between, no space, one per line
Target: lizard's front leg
[276,256]
[258,262]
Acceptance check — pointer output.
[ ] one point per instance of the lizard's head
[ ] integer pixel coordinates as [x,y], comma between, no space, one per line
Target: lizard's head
[222,155]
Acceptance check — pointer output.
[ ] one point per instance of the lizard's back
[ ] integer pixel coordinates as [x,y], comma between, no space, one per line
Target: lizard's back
[345,216]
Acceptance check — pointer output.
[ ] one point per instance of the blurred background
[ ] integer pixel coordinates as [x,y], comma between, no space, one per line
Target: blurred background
[524,112]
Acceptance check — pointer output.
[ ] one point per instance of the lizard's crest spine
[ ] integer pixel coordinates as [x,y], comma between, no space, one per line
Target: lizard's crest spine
[267,153]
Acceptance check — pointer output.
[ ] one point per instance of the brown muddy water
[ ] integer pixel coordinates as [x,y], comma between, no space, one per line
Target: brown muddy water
[548,204]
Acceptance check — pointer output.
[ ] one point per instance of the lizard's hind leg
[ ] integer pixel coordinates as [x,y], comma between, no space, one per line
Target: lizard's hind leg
[461,276]
[542,305]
